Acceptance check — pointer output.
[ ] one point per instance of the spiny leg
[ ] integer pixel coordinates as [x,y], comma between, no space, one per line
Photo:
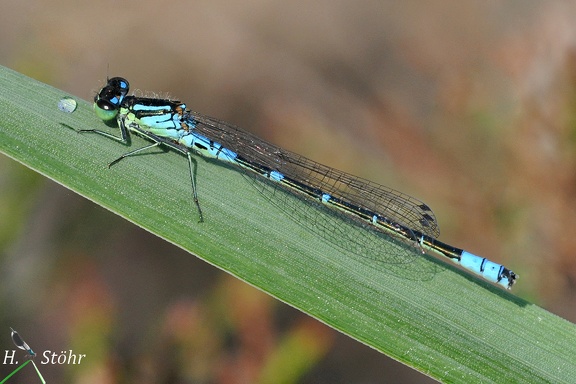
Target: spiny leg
[124,137]
[125,140]
[192,165]
[133,153]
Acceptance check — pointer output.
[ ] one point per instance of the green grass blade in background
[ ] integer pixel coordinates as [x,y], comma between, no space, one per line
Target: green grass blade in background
[452,327]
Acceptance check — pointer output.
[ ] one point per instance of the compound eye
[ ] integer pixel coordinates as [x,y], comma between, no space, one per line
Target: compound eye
[105,110]
[105,105]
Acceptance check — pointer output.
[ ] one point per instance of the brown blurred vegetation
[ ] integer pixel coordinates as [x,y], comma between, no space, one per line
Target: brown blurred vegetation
[468,106]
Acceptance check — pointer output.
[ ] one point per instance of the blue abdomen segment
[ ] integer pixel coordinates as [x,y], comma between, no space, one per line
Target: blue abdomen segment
[488,269]
[276,176]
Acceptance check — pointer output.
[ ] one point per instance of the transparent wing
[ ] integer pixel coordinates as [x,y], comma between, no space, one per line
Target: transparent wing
[395,206]
[337,227]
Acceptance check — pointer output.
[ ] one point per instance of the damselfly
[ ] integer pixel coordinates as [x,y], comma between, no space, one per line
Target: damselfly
[20,343]
[379,210]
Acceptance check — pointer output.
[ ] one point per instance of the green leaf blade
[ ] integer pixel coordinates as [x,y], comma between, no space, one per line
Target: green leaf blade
[452,326]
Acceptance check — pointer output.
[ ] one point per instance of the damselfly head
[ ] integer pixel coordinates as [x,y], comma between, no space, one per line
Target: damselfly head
[107,102]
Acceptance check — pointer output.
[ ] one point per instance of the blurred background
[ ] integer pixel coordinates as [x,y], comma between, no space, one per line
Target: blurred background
[468,106]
